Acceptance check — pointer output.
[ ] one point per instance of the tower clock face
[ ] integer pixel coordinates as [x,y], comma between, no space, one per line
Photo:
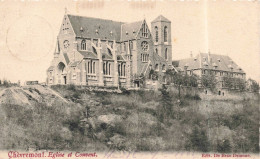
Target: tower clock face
[145,46]
[66,44]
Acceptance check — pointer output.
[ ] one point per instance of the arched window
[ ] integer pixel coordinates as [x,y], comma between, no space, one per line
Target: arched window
[156,51]
[156,33]
[163,67]
[165,34]
[131,44]
[91,67]
[88,67]
[166,54]
[83,45]
[156,67]
[124,70]
[119,70]
[104,68]
[144,30]
[94,67]
[109,68]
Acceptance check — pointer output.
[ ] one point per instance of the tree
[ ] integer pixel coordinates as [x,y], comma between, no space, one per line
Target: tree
[199,140]
[234,83]
[252,85]
[166,111]
[153,75]
[209,81]
[224,146]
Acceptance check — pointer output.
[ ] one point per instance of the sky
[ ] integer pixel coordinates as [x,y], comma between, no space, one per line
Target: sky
[28,30]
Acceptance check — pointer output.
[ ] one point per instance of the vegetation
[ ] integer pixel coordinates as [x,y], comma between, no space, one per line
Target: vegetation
[252,86]
[133,120]
[234,83]
[209,81]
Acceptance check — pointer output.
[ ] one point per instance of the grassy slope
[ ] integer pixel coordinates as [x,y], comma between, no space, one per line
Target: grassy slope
[136,120]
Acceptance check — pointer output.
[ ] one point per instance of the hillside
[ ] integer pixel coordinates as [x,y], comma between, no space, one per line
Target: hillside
[72,118]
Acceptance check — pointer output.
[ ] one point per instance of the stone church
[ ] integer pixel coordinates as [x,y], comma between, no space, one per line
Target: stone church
[100,52]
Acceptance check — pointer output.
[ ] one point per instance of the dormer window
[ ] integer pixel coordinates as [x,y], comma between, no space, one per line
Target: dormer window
[126,33]
[83,45]
[96,31]
[218,60]
[111,33]
[134,31]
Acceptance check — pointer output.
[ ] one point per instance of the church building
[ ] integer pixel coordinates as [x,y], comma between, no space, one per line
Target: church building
[100,52]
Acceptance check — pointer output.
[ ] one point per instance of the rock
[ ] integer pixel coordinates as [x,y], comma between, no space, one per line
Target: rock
[110,119]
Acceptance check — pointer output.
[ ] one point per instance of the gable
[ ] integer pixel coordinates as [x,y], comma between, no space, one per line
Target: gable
[130,30]
[144,31]
[66,27]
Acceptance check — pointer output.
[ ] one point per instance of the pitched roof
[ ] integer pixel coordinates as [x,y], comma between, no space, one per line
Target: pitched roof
[73,64]
[161,18]
[130,30]
[50,68]
[105,56]
[209,61]
[88,54]
[95,27]
[120,57]
[66,58]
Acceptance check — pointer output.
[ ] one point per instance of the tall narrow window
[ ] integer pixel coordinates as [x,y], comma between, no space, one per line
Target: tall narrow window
[109,68]
[124,70]
[165,34]
[156,34]
[91,67]
[166,54]
[104,68]
[156,67]
[119,70]
[144,30]
[83,45]
[88,67]
[131,44]
[156,51]
[94,67]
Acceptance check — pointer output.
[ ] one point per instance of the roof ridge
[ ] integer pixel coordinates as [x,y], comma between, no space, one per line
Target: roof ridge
[94,18]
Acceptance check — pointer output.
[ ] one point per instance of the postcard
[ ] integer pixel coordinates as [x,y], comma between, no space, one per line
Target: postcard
[129,79]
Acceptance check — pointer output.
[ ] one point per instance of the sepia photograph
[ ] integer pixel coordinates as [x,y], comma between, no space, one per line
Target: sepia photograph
[129,79]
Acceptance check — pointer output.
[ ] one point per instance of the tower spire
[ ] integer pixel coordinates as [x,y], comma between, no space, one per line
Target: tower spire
[66,10]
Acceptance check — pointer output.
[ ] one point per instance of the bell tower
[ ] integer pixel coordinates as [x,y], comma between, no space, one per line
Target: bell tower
[161,32]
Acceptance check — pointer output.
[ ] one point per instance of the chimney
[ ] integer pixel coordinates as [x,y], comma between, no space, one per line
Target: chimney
[209,58]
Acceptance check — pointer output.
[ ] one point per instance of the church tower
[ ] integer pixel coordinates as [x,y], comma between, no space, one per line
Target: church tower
[161,32]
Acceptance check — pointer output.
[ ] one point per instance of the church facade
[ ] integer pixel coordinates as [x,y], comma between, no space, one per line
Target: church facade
[99,52]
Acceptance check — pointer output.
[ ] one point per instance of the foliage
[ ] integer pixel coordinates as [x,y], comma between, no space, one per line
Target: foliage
[180,79]
[153,75]
[137,121]
[199,140]
[234,83]
[253,85]
[224,146]
[209,81]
